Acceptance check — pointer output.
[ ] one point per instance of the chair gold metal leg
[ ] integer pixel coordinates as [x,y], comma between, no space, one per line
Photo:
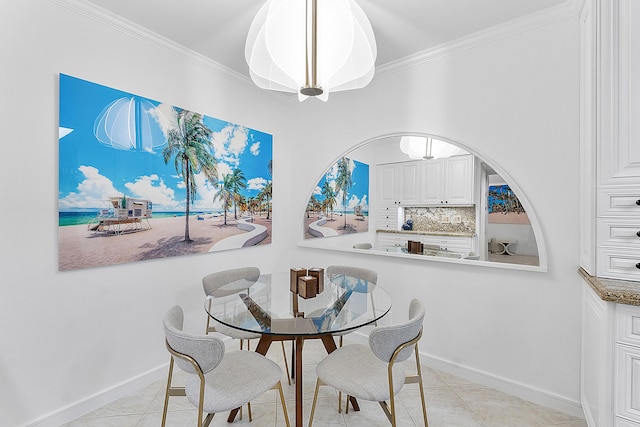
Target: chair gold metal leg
[284,407]
[424,405]
[315,399]
[393,411]
[166,396]
[346,405]
[249,410]
[339,402]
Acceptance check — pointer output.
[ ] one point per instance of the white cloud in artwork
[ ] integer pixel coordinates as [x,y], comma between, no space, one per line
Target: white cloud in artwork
[238,141]
[224,169]
[317,191]
[256,183]
[353,201]
[154,189]
[255,148]
[93,191]
[230,143]
[206,193]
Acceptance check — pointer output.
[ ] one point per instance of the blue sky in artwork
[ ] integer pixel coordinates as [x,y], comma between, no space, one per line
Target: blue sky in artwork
[358,194]
[109,148]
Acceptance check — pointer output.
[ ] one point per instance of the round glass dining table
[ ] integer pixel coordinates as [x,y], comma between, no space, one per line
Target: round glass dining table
[268,307]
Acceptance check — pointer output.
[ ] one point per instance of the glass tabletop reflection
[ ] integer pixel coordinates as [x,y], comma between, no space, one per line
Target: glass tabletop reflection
[266,306]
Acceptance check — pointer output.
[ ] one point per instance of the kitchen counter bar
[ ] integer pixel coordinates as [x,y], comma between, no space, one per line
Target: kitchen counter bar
[614,290]
[427,233]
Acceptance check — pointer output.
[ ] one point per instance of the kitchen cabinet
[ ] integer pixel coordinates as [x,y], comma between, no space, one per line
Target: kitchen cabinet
[448,181]
[399,183]
[610,140]
[610,209]
[459,244]
[610,372]
[388,218]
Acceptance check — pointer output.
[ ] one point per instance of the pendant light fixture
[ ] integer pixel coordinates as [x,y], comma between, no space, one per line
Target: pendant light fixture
[311,47]
[420,147]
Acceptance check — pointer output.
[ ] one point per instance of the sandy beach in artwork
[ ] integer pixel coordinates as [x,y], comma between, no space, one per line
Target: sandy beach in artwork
[337,223]
[508,218]
[82,248]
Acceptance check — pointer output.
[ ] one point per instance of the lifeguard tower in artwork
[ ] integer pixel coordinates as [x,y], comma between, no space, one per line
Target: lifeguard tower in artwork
[125,215]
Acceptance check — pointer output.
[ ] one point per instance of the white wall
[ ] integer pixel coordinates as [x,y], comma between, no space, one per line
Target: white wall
[515,102]
[72,337]
[67,336]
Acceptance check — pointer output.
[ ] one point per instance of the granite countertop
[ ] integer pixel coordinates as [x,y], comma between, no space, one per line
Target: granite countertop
[614,290]
[426,252]
[428,233]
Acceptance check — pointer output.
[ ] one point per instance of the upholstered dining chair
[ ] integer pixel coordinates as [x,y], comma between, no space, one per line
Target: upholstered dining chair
[375,372]
[215,382]
[212,284]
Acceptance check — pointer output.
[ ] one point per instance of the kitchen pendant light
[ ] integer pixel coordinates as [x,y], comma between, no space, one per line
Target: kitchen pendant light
[311,47]
[419,147]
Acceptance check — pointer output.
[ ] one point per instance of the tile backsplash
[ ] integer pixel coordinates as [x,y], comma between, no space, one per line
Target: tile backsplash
[443,219]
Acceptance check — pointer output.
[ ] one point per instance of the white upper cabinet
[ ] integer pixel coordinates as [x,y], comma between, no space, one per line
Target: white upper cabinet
[618,141]
[448,181]
[399,183]
[620,98]
[433,177]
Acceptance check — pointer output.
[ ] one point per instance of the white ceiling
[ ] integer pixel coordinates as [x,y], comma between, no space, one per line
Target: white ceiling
[217,29]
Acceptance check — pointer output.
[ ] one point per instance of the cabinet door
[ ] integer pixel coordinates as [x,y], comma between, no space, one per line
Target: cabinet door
[387,184]
[432,189]
[459,180]
[408,184]
[620,150]
[628,378]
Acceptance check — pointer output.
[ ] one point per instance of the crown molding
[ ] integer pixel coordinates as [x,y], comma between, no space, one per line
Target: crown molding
[535,20]
[145,35]
[568,9]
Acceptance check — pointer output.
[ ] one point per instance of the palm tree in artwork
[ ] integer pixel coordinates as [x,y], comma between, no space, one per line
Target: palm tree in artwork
[225,194]
[344,183]
[329,196]
[238,183]
[189,143]
[254,204]
[266,194]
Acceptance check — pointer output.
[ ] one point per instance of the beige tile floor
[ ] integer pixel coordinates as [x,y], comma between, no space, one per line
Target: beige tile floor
[451,402]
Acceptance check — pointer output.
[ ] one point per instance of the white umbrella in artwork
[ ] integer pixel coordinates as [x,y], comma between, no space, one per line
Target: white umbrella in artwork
[132,124]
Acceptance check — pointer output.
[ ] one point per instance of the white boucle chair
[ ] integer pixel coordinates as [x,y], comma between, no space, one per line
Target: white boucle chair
[215,382]
[211,283]
[375,372]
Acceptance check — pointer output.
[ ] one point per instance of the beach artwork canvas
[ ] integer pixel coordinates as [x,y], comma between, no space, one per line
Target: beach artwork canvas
[140,179]
[339,203]
[504,207]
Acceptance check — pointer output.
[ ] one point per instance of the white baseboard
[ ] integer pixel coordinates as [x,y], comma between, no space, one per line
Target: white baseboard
[93,402]
[523,391]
